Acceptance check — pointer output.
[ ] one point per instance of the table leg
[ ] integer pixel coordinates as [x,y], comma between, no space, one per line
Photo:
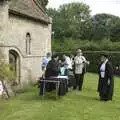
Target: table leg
[44,88]
[57,88]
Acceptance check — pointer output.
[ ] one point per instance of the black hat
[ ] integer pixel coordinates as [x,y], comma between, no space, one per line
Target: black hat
[54,56]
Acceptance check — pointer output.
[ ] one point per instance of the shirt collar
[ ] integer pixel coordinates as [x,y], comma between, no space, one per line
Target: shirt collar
[105,61]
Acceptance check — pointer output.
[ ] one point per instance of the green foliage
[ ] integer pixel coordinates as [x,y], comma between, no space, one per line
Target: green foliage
[94,58]
[71,45]
[94,50]
[105,26]
[5,72]
[115,32]
[71,21]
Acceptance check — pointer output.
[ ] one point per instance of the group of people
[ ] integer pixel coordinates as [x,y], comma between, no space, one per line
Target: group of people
[76,66]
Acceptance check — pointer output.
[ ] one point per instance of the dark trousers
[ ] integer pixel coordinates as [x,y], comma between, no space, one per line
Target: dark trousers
[78,81]
[48,87]
[71,78]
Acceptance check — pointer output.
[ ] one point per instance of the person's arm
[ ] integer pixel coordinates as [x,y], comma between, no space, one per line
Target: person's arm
[43,64]
[110,72]
[85,61]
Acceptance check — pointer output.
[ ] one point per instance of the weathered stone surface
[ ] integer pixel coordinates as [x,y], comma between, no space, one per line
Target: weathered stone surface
[13,29]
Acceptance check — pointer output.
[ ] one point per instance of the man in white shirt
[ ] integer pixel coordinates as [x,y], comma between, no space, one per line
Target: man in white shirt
[79,69]
[68,63]
[68,67]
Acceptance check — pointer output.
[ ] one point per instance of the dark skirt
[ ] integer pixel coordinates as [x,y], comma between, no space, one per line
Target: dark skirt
[105,90]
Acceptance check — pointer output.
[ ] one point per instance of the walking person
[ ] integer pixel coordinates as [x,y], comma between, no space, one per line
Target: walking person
[106,82]
[79,69]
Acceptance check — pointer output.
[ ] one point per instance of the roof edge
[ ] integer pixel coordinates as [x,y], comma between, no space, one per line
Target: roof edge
[40,7]
[49,21]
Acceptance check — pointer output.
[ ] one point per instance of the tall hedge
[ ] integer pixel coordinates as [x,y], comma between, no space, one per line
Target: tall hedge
[94,58]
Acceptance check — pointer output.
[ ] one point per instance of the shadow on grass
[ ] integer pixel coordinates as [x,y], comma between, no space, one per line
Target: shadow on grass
[84,97]
[36,97]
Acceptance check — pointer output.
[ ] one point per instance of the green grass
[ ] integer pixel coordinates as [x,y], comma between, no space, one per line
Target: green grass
[75,105]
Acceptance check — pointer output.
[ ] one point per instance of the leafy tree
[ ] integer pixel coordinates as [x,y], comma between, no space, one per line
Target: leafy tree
[104,26]
[71,21]
[115,30]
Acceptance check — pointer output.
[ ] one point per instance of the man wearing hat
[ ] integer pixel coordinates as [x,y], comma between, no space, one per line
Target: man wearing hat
[79,69]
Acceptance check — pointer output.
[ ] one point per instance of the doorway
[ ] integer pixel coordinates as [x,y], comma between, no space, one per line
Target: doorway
[14,61]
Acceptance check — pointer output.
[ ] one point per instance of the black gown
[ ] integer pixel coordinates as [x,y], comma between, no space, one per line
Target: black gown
[52,69]
[106,90]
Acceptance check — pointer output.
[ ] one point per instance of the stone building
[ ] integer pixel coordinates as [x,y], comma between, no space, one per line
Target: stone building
[25,37]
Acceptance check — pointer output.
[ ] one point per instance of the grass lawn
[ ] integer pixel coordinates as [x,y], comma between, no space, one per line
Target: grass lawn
[75,105]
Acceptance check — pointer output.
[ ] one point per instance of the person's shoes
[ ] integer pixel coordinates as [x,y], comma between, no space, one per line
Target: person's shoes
[80,89]
[105,100]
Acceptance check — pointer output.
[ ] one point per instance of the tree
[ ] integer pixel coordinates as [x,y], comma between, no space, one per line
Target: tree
[104,26]
[115,30]
[71,21]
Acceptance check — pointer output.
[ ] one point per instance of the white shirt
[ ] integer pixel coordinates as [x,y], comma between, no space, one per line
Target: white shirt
[102,69]
[68,63]
[45,62]
[79,64]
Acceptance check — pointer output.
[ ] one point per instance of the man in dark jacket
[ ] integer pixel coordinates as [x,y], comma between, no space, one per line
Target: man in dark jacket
[106,82]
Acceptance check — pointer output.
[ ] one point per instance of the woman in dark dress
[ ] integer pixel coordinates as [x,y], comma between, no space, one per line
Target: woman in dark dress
[106,82]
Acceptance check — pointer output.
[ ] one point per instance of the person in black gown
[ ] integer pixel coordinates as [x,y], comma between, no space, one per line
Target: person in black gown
[52,70]
[106,81]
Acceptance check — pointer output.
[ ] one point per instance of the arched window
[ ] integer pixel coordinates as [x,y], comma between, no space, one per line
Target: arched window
[28,43]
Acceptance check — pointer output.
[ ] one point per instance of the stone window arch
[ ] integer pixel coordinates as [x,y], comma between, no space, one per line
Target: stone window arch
[28,43]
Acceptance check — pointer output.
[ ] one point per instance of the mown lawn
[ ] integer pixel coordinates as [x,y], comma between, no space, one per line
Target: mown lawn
[75,105]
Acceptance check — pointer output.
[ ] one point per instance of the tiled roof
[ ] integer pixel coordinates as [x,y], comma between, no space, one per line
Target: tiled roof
[29,8]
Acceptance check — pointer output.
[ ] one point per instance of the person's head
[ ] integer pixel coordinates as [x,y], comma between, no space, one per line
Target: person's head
[48,54]
[64,56]
[104,57]
[55,57]
[62,65]
[71,56]
[79,52]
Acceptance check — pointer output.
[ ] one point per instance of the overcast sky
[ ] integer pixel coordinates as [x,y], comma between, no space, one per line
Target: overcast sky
[96,6]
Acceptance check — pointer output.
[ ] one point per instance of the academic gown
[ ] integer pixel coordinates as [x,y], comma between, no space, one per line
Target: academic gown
[52,69]
[105,88]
